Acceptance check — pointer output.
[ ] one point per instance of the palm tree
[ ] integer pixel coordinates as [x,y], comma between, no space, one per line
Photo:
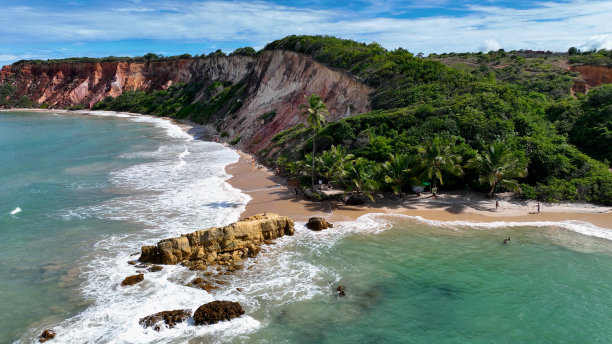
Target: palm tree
[498,165]
[437,158]
[397,172]
[315,110]
[359,176]
[332,163]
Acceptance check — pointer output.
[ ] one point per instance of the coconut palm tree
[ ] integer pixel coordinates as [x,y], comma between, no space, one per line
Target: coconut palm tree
[360,177]
[332,162]
[498,165]
[315,112]
[397,172]
[436,158]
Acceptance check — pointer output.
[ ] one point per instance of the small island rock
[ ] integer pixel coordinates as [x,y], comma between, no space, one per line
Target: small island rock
[47,335]
[318,223]
[216,311]
[130,280]
[170,318]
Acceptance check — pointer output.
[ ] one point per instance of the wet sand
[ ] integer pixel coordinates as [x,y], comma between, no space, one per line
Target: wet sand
[270,193]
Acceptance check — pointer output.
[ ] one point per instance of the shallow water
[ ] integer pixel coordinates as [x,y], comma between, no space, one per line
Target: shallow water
[103,186]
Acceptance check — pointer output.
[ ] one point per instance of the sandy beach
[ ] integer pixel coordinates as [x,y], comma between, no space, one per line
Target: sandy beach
[270,193]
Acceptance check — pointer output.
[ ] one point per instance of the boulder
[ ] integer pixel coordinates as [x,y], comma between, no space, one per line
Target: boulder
[170,318]
[155,268]
[216,311]
[46,335]
[130,280]
[318,223]
[219,244]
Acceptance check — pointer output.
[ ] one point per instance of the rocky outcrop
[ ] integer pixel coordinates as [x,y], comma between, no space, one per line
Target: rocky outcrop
[170,318]
[131,280]
[219,245]
[275,82]
[216,311]
[318,223]
[46,335]
[591,76]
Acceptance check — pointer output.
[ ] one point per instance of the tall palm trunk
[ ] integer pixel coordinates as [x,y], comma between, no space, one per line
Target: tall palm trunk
[313,161]
[492,192]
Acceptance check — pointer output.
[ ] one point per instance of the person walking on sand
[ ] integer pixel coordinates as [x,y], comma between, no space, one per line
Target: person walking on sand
[496,205]
[538,207]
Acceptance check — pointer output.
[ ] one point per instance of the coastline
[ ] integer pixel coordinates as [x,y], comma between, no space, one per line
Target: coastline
[270,193]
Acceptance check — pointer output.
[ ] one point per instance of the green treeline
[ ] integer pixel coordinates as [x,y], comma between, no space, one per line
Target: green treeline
[246,51]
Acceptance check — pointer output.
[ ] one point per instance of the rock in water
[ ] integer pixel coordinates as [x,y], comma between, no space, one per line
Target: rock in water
[203,247]
[133,279]
[340,290]
[213,312]
[170,318]
[318,223]
[47,335]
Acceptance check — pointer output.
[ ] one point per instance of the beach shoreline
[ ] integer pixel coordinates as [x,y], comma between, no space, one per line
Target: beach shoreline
[270,193]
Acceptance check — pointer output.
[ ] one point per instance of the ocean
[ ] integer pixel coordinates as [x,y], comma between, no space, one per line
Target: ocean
[80,193]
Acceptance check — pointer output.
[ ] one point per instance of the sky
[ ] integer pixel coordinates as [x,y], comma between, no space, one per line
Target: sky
[47,29]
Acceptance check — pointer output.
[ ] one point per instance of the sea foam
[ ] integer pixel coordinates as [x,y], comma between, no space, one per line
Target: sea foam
[181,188]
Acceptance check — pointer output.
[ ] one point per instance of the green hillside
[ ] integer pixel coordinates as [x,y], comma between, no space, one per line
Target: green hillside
[480,100]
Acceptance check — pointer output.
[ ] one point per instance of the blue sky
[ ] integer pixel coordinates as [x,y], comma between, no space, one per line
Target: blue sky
[65,28]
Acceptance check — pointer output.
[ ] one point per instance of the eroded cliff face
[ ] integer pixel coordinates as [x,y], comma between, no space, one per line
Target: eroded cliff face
[275,82]
[591,76]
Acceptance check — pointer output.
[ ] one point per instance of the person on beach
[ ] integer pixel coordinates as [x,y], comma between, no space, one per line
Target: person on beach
[496,205]
[538,207]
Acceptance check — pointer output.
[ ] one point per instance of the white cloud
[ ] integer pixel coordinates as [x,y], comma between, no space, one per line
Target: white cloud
[597,42]
[488,45]
[549,26]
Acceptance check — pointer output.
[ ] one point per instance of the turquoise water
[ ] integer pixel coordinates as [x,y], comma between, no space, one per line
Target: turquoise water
[93,189]
[49,165]
[420,283]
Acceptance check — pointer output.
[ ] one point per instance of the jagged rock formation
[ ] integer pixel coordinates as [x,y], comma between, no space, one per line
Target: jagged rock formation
[220,245]
[170,318]
[274,82]
[213,312]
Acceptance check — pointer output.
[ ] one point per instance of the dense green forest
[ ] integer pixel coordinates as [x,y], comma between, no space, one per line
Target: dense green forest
[485,121]
[420,102]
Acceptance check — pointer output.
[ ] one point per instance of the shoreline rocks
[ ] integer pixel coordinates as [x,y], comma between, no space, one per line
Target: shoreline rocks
[318,223]
[216,311]
[219,245]
[170,318]
[131,280]
[46,335]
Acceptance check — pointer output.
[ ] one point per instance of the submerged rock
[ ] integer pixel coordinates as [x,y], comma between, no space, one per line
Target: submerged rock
[220,245]
[155,268]
[318,223]
[47,335]
[130,280]
[170,318]
[216,311]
